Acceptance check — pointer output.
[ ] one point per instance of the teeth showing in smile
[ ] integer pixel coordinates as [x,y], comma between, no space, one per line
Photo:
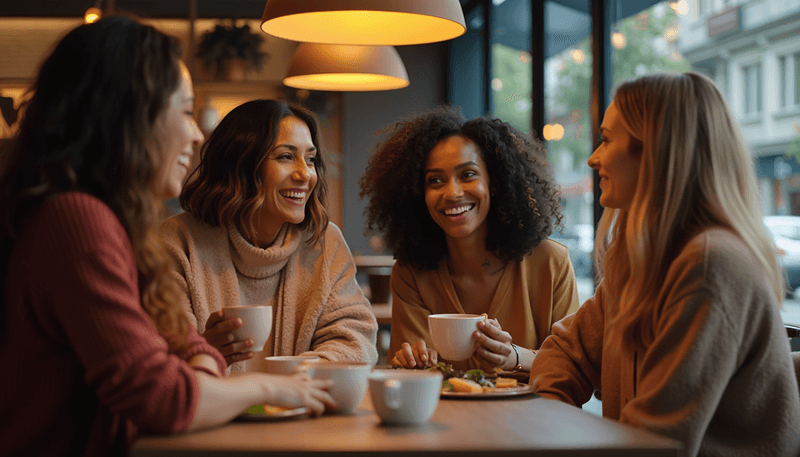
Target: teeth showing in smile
[296,195]
[458,210]
[184,159]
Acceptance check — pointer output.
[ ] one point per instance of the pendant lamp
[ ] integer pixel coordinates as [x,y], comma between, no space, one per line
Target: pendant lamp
[364,22]
[336,67]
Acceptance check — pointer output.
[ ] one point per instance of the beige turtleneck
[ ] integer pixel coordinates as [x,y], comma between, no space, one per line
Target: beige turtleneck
[317,303]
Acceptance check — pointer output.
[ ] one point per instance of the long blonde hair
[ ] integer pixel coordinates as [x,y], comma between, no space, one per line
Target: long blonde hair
[695,172]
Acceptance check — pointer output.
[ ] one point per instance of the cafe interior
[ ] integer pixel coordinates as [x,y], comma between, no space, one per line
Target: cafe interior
[548,67]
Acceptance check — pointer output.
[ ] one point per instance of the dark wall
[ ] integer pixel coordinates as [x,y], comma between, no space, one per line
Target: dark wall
[365,113]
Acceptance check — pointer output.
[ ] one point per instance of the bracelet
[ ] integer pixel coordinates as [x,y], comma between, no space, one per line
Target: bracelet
[517,366]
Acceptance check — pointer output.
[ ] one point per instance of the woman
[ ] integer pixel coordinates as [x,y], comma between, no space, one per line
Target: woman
[93,343]
[683,334]
[256,232]
[466,208]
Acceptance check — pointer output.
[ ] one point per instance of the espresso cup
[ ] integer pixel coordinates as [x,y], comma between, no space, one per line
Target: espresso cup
[451,335]
[288,364]
[405,396]
[256,324]
[349,382]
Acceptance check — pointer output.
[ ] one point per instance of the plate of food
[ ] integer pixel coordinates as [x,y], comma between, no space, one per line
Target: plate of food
[478,384]
[500,387]
[271,413]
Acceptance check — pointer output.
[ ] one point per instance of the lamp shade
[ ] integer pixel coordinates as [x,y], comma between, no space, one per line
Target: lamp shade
[337,67]
[364,22]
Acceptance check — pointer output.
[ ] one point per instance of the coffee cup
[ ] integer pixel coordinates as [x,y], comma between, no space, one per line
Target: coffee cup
[256,324]
[451,335]
[288,364]
[405,396]
[349,382]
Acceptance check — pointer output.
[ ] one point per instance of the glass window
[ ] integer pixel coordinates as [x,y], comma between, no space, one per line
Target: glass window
[785,78]
[511,62]
[467,84]
[752,88]
[568,136]
[796,78]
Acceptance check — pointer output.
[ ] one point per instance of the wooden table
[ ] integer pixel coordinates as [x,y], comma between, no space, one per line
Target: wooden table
[514,426]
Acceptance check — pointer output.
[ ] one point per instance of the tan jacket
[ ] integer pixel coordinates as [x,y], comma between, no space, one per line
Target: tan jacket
[718,375]
[532,295]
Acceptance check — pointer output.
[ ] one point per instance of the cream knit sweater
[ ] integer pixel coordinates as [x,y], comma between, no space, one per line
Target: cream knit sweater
[317,303]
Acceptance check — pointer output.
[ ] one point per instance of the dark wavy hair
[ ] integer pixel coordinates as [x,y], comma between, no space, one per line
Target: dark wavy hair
[92,108]
[226,185]
[524,197]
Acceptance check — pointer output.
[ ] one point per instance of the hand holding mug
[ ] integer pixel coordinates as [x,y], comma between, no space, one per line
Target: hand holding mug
[219,333]
[416,356]
[494,346]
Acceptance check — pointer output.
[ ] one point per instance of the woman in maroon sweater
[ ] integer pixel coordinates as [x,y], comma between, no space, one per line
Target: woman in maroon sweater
[92,341]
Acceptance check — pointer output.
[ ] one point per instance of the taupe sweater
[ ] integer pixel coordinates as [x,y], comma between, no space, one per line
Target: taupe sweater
[317,303]
[718,375]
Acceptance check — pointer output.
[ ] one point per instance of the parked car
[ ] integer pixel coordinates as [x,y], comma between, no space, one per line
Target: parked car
[785,232]
[579,238]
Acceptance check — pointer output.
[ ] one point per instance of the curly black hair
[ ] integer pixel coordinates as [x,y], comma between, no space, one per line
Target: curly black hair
[524,196]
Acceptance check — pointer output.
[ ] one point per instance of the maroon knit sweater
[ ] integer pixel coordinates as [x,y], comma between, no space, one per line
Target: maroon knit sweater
[83,366]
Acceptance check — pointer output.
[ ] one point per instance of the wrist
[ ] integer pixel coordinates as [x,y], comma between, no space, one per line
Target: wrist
[516,359]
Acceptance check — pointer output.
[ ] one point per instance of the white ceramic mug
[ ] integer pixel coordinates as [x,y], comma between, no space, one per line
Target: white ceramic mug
[405,396]
[288,364]
[451,335]
[349,382]
[256,324]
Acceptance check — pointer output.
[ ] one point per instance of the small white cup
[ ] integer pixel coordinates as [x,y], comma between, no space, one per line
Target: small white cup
[349,382]
[452,335]
[287,364]
[405,396]
[256,324]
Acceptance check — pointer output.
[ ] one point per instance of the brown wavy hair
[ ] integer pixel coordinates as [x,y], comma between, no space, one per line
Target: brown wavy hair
[92,108]
[525,198]
[226,185]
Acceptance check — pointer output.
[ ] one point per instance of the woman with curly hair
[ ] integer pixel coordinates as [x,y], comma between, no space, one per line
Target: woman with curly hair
[684,334]
[256,232]
[466,208]
[93,342]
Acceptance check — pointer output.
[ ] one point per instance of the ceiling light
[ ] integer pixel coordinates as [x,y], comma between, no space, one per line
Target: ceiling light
[364,22]
[334,67]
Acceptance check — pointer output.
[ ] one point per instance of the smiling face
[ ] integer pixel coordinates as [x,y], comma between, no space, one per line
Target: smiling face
[289,176]
[617,160]
[457,187]
[175,135]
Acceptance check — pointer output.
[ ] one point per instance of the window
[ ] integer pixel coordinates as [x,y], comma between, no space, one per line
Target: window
[789,80]
[511,63]
[751,76]
[796,78]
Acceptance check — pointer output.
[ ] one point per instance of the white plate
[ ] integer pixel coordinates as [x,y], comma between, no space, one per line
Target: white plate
[521,389]
[285,414]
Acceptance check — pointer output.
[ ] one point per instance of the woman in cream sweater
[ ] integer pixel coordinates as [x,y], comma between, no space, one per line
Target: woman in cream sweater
[256,232]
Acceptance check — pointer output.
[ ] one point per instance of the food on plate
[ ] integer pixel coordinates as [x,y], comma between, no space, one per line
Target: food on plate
[265,409]
[464,385]
[472,381]
[505,383]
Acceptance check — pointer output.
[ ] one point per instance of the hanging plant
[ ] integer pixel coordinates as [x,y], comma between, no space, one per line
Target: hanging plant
[226,43]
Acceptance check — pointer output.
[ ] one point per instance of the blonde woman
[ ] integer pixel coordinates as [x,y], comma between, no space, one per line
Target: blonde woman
[683,335]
